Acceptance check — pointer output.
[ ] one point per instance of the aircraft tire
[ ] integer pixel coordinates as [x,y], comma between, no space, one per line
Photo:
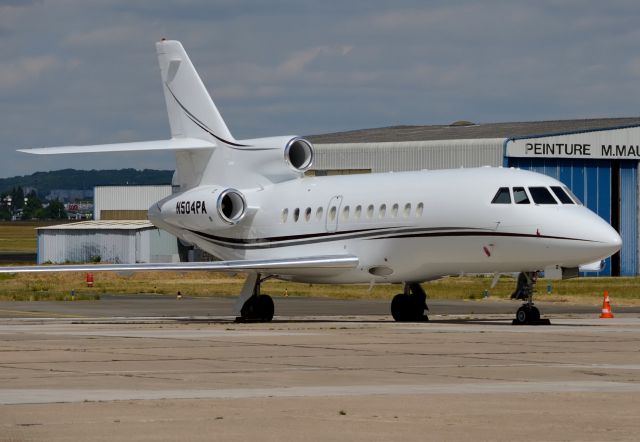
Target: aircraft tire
[258,309]
[404,308]
[534,313]
[265,308]
[525,314]
[399,307]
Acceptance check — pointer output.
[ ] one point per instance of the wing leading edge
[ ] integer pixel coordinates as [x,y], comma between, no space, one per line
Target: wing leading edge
[292,266]
[139,146]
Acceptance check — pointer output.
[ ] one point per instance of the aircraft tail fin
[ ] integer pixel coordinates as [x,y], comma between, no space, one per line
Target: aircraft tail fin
[191,110]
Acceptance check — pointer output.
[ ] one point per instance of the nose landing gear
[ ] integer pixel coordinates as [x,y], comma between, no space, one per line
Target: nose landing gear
[527,314]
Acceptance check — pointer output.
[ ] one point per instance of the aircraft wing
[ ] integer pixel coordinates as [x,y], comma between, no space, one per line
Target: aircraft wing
[139,146]
[289,266]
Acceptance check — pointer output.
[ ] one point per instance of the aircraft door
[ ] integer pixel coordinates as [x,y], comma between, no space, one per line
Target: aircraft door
[333,213]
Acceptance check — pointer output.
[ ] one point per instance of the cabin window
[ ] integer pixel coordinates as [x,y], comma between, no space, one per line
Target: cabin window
[285,215]
[296,215]
[358,211]
[319,213]
[383,211]
[394,211]
[502,196]
[562,195]
[307,214]
[407,210]
[370,211]
[520,196]
[541,195]
[419,209]
[345,213]
[332,213]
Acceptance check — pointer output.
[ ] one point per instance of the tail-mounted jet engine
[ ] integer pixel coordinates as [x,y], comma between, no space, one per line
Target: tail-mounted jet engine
[205,208]
[277,159]
[298,154]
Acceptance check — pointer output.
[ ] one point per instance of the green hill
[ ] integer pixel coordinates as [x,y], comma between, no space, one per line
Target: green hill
[85,179]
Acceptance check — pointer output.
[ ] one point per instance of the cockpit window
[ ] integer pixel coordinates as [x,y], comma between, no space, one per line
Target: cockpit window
[562,195]
[541,195]
[502,197]
[573,196]
[520,196]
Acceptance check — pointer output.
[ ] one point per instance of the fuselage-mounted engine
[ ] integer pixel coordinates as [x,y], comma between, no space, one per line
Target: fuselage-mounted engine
[298,154]
[260,161]
[203,208]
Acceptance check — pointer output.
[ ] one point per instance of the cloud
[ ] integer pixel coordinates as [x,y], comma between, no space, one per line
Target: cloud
[23,71]
[299,60]
[86,72]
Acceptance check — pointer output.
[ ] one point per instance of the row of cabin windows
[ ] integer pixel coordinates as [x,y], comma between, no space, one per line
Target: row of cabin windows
[345,213]
[539,195]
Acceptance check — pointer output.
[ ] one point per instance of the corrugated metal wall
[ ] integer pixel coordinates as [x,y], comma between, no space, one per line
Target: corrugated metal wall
[163,246]
[127,197]
[123,215]
[590,180]
[410,155]
[628,217]
[59,246]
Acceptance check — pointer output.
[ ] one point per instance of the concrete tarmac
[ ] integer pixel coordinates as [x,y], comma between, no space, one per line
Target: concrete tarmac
[155,306]
[469,376]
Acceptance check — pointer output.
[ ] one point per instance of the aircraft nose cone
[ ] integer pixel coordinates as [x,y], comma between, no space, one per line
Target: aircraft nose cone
[615,240]
[609,239]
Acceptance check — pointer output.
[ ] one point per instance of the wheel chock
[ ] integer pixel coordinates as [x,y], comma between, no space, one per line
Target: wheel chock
[543,321]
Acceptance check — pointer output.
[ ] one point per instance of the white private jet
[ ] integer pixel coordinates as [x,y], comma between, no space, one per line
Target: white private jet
[248,203]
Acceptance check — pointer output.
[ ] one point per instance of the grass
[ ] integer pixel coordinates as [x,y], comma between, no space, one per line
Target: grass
[20,236]
[50,286]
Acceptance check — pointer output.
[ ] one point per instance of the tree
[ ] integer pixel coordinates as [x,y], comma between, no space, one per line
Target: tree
[55,210]
[17,198]
[5,214]
[32,207]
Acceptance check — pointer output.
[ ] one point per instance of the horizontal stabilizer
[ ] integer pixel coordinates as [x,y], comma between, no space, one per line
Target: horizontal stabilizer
[140,146]
[274,266]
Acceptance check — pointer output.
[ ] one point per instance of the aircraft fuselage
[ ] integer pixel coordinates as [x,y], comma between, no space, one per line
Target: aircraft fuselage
[407,226]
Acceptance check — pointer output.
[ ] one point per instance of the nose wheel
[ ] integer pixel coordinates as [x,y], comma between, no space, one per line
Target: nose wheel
[528,314]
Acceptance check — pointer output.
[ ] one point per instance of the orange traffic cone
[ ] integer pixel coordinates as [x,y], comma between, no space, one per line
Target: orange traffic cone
[606,307]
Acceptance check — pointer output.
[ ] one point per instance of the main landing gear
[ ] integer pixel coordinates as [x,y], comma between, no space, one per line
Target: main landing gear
[527,314]
[255,307]
[410,305]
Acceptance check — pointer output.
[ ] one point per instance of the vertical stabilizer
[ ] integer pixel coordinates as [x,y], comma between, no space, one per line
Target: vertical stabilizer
[191,110]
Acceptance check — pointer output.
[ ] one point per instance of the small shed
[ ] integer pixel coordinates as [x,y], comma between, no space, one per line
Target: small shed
[126,242]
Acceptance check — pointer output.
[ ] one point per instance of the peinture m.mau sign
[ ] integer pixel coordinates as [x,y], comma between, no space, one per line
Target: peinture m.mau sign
[620,143]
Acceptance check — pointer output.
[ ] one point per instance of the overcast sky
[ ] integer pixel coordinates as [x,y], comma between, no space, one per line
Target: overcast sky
[85,71]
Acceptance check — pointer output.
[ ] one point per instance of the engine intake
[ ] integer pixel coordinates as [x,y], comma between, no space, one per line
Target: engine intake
[203,208]
[299,154]
[231,206]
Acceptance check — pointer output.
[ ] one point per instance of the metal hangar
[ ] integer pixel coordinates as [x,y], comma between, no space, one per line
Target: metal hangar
[597,159]
[120,232]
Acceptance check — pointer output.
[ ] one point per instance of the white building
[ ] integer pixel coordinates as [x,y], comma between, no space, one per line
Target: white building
[126,202]
[120,232]
[106,241]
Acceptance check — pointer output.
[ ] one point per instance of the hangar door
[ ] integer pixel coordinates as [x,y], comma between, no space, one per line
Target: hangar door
[610,189]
